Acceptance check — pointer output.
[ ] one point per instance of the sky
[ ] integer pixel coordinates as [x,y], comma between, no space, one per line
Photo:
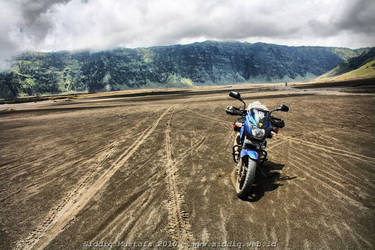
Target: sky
[53,25]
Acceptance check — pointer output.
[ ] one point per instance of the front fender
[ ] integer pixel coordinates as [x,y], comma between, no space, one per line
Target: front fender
[251,153]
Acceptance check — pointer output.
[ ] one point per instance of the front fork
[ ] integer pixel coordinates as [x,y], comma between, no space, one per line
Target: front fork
[241,168]
[236,150]
[237,147]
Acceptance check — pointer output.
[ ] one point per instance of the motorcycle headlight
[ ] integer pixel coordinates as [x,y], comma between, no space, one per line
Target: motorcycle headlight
[258,133]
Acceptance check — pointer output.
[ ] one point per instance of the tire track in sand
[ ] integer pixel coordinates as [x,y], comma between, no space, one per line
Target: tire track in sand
[222,122]
[121,219]
[70,208]
[332,150]
[178,222]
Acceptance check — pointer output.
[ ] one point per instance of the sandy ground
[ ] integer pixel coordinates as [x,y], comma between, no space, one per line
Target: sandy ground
[157,171]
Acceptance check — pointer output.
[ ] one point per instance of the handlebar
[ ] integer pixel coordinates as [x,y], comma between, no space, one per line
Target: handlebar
[230,110]
[276,122]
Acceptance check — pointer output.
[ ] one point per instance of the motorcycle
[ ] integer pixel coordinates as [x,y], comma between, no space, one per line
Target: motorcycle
[255,125]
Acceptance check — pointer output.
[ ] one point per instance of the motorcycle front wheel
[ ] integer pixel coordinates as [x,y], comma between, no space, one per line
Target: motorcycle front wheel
[246,169]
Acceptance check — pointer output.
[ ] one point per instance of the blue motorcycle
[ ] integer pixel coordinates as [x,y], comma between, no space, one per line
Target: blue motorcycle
[255,125]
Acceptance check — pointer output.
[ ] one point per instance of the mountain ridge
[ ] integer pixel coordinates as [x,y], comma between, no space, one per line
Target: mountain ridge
[204,63]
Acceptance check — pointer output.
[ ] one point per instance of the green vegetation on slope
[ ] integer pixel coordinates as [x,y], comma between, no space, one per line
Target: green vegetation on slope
[362,66]
[204,63]
[365,71]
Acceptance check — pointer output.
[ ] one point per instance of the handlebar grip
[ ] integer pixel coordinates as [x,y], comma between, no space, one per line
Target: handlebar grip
[233,110]
[277,122]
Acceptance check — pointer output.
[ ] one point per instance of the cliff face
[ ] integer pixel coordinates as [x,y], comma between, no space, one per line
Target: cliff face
[237,62]
[167,66]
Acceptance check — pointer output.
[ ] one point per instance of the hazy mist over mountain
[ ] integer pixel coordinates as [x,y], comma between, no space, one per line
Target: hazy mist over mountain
[38,25]
[197,64]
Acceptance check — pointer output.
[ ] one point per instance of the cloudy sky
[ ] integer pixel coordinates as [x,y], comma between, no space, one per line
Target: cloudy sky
[50,25]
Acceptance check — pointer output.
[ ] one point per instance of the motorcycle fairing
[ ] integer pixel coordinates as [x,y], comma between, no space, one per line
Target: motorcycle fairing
[249,119]
[250,152]
[246,126]
[242,129]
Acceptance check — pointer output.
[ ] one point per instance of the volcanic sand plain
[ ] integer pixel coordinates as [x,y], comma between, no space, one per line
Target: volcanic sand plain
[155,168]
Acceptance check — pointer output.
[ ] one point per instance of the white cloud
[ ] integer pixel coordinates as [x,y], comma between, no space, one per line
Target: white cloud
[100,24]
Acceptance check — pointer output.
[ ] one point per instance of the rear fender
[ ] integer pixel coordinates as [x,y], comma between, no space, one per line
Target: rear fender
[251,153]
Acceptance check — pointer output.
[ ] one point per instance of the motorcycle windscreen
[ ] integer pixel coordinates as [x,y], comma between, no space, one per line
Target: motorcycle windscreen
[259,118]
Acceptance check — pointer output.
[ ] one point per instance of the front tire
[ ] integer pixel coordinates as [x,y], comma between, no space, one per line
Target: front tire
[246,169]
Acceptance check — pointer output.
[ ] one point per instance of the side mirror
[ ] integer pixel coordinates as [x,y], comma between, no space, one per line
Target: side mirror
[235,95]
[283,108]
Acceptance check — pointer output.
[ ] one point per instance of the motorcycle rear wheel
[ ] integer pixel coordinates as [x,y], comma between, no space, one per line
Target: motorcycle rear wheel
[245,177]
